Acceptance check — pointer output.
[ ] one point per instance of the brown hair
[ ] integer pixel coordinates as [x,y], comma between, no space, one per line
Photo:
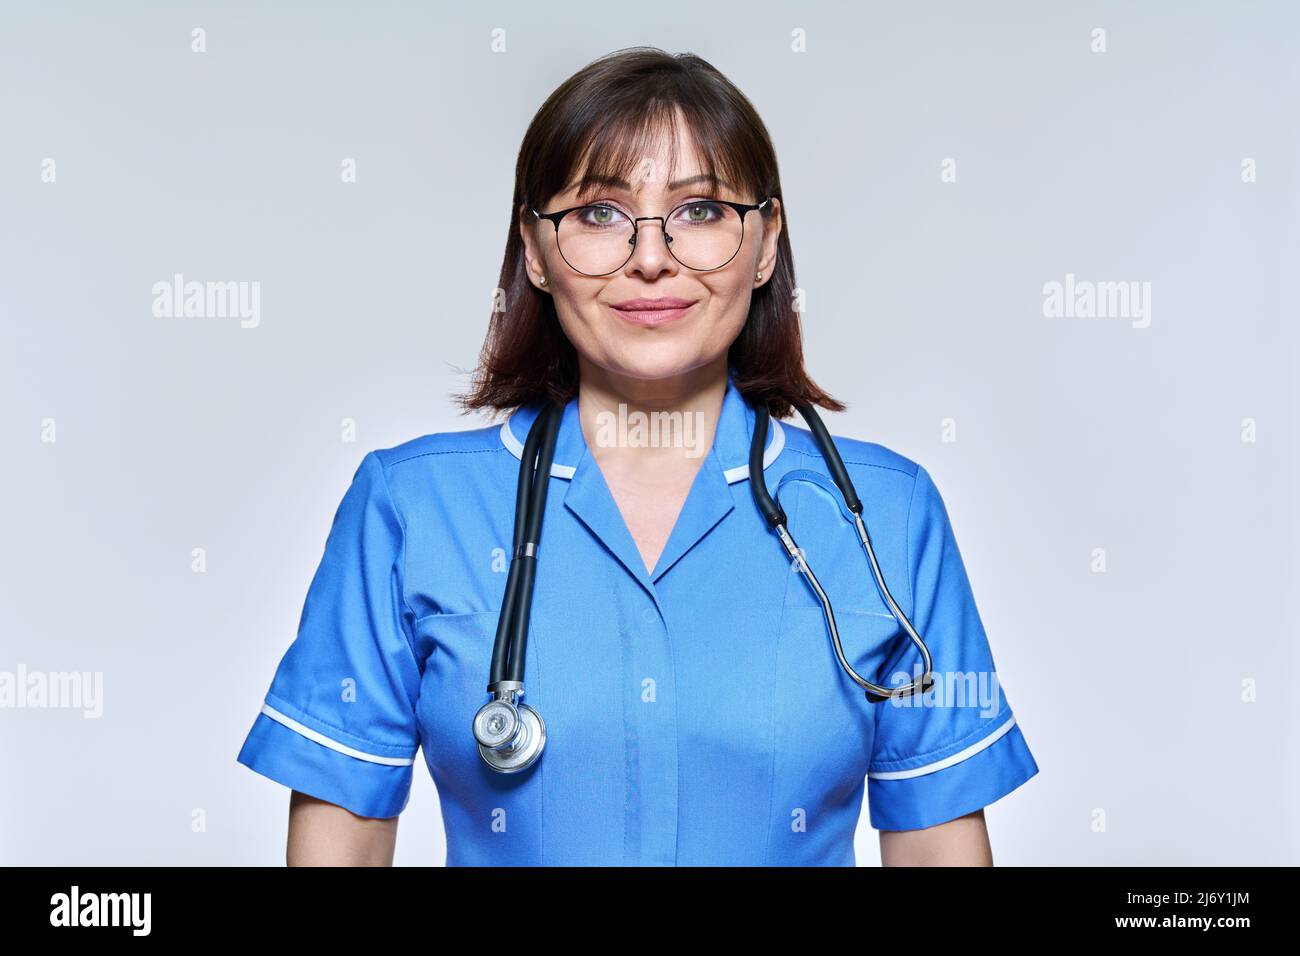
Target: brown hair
[607,113]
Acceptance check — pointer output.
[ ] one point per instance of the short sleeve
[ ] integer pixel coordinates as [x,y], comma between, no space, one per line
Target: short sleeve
[958,747]
[339,721]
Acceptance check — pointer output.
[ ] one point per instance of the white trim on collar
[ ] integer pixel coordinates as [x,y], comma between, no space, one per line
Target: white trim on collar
[516,448]
[774,446]
[739,473]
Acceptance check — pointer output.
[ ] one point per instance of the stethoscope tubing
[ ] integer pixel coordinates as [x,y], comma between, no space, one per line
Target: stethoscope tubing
[510,645]
[777,520]
[527,555]
[522,746]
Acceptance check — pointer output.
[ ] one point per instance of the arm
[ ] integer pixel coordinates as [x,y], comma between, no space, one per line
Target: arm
[322,834]
[960,842]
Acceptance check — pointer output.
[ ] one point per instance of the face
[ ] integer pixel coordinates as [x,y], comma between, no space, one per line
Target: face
[703,312]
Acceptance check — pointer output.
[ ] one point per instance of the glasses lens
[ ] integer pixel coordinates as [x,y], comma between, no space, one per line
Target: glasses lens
[704,235]
[595,240]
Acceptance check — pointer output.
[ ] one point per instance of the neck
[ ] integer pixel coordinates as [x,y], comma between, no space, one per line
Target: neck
[651,423]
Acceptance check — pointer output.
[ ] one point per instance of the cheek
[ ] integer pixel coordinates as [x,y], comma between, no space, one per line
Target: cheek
[729,297]
[577,307]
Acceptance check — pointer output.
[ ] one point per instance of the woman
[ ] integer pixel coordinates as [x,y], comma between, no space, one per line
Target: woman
[695,709]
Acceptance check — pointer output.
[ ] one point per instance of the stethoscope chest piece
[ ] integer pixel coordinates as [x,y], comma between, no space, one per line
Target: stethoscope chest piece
[510,736]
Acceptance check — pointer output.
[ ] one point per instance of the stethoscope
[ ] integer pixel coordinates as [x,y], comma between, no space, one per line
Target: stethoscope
[510,733]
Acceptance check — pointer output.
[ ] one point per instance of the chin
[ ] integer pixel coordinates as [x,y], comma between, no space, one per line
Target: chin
[659,361]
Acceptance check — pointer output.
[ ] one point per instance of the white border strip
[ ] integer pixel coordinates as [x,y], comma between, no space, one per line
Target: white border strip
[333,744]
[517,449]
[774,446]
[958,757]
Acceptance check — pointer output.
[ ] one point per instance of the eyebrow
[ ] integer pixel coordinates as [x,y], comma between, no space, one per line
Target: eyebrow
[617,183]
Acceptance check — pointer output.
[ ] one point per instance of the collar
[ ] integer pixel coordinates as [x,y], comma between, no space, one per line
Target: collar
[710,499]
[731,439]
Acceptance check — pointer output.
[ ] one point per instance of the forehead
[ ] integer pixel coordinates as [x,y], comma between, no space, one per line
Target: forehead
[645,161]
[649,184]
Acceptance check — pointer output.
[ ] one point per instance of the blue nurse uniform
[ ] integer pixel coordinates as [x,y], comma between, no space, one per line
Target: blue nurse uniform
[696,714]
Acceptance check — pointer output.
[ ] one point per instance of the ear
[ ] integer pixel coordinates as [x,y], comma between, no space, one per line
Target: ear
[773,223]
[534,257]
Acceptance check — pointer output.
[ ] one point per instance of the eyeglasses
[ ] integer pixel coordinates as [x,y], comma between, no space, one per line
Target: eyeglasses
[598,239]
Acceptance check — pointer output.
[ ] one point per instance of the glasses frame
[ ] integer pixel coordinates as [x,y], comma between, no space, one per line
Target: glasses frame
[743,209]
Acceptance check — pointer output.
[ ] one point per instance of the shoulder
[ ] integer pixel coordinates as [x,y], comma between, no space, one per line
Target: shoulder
[889,483]
[860,457]
[412,467]
[440,446]
[877,471]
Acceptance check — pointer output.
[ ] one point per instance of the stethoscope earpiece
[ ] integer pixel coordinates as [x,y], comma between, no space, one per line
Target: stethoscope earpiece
[927,681]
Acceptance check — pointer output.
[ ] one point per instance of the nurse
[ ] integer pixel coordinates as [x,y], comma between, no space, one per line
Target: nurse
[695,710]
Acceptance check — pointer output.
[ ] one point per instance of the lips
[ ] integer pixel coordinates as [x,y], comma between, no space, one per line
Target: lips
[652,311]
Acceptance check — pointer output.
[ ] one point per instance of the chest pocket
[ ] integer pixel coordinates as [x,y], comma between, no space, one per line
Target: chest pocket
[822,526]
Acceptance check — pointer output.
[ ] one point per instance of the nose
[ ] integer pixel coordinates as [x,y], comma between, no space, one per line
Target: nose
[650,255]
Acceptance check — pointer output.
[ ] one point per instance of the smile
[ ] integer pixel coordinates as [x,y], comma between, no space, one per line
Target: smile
[652,312]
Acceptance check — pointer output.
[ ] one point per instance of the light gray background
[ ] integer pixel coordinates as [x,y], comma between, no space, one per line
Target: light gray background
[924,303]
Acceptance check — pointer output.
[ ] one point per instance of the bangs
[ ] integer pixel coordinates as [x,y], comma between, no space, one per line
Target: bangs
[621,152]
[608,132]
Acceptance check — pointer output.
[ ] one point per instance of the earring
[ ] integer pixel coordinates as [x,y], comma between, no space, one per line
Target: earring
[541,280]
[758,277]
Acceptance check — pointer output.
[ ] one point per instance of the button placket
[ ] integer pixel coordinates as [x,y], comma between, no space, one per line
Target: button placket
[651,742]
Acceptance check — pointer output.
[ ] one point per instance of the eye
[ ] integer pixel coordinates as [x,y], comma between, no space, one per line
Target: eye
[599,214]
[701,212]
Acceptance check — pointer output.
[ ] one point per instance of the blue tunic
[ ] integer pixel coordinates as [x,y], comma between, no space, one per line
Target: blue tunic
[695,714]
